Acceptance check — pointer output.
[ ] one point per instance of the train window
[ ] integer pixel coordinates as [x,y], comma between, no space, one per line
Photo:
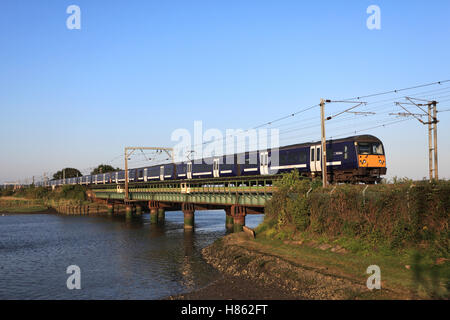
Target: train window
[364,148]
[247,159]
[303,157]
[251,158]
[318,154]
[329,155]
[288,157]
[312,155]
[370,148]
[345,152]
[377,148]
[294,157]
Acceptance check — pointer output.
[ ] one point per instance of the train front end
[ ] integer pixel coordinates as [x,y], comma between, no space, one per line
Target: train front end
[371,158]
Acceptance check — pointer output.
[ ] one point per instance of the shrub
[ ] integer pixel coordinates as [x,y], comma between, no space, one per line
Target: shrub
[289,205]
[400,215]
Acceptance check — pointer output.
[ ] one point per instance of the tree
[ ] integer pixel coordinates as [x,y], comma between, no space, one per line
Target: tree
[67,173]
[104,168]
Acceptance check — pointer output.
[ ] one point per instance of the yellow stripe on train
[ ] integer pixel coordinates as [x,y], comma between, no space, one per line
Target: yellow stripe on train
[371,161]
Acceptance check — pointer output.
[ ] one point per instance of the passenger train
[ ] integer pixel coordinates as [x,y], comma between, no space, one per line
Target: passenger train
[350,160]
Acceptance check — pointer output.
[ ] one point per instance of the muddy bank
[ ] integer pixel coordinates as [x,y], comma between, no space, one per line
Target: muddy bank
[80,209]
[28,211]
[229,287]
[251,274]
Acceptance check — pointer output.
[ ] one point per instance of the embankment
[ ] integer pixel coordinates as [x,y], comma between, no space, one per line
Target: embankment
[279,271]
[318,243]
[21,205]
[403,228]
[68,200]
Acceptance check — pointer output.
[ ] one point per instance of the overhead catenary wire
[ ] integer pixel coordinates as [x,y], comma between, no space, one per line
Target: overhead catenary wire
[398,90]
[309,123]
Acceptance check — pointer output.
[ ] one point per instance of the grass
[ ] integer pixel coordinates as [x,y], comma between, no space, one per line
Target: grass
[394,273]
[21,205]
[402,228]
[31,209]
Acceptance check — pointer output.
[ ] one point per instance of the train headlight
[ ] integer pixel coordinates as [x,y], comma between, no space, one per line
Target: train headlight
[364,161]
[381,162]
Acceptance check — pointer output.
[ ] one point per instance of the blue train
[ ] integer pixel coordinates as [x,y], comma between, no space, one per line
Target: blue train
[350,160]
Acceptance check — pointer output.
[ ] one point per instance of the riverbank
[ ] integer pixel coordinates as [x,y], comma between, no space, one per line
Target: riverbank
[318,243]
[22,205]
[262,268]
[17,205]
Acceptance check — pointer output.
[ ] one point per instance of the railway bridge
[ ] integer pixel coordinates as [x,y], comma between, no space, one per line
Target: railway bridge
[238,196]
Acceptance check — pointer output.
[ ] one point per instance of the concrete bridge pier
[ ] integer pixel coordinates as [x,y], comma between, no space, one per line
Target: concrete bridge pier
[153,215]
[238,213]
[138,210]
[154,206]
[188,211]
[110,207]
[161,215]
[229,220]
[129,208]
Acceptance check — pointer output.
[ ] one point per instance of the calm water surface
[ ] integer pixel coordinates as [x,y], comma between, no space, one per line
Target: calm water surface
[119,259]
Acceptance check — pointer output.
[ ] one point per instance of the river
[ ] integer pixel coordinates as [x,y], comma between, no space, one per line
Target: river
[118,259]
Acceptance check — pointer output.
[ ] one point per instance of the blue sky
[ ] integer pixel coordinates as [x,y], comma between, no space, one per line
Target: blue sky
[138,70]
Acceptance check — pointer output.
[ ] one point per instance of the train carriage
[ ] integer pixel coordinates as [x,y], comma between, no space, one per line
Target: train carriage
[353,159]
[225,166]
[167,172]
[153,173]
[248,164]
[120,176]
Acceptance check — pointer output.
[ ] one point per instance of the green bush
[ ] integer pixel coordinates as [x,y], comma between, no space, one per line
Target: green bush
[402,215]
[73,192]
[6,192]
[289,205]
[67,192]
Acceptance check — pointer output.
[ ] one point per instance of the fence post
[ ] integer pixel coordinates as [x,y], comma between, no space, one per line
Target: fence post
[332,190]
[364,195]
[407,194]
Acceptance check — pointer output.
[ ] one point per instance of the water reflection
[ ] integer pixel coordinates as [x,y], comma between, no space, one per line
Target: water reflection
[187,265]
[119,258]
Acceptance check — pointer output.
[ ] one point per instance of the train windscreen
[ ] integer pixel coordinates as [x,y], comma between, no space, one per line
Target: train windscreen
[375,148]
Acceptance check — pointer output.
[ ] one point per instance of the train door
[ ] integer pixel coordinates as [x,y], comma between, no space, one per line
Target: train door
[216,168]
[161,173]
[264,162]
[189,170]
[145,174]
[315,159]
[117,177]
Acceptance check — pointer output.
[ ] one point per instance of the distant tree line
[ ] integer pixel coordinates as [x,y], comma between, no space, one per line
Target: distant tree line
[73,173]
[67,173]
[104,168]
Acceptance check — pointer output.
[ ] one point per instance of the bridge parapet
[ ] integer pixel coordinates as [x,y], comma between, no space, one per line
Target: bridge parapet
[243,191]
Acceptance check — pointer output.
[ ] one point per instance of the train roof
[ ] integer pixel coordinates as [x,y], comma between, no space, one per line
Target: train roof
[359,138]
